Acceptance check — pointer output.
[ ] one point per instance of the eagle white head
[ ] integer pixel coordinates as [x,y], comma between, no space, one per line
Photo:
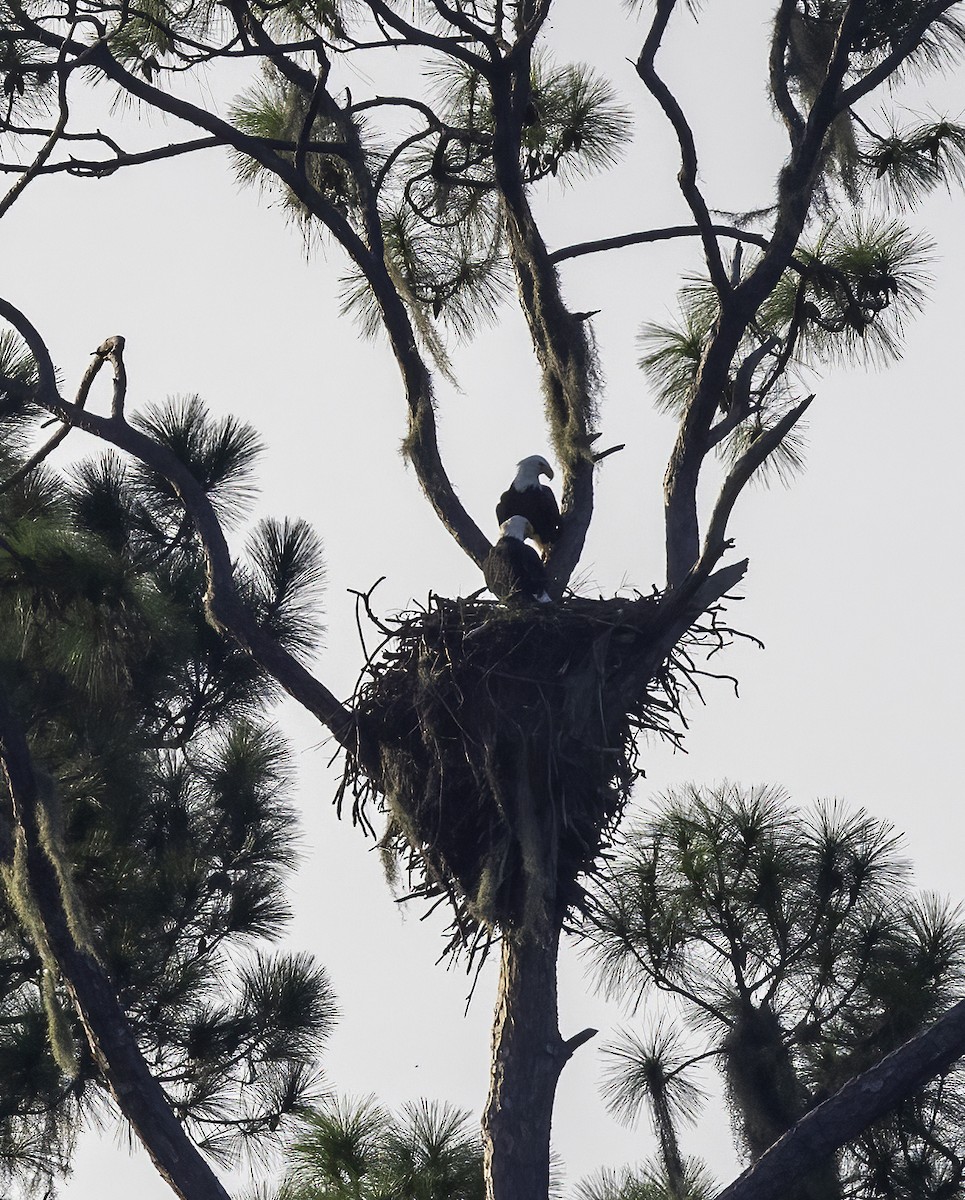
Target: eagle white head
[516,527]
[530,469]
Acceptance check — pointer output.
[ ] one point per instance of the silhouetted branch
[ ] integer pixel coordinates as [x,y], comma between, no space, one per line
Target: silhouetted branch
[47,148]
[655,235]
[420,37]
[905,45]
[846,1114]
[764,444]
[224,607]
[600,455]
[778,70]
[687,177]
[472,29]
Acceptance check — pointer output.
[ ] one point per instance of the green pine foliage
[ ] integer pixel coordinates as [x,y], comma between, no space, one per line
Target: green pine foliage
[279,109]
[166,794]
[358,1150]
[440,217]
[149,38]
[908,163]
[848,298]
[28,87]
[647,1182]
[796,954]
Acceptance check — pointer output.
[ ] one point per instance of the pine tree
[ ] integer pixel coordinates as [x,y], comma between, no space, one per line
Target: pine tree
[162,801]
[439,226]
[798,955]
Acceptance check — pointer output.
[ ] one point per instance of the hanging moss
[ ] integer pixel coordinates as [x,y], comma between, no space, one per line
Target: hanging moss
[17,885]
[59,1032]
[505,745]
[811,43]
[50,828]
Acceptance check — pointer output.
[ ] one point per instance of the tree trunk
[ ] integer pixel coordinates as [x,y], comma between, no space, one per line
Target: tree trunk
[770,1098]
[528,1055]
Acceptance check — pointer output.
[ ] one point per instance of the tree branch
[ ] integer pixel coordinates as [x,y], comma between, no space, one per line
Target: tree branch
[715,542]
[47,148]
[740,408]
[536,13]
[795,192]
[558,336]
[687,177]
[421,37]
[906,45]
[859,1103]
[421,443]
[224,607]
[28,863]
[461,22]
[778,74]
[655,235]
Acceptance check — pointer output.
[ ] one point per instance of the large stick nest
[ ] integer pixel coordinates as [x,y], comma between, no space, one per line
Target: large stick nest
[502,747]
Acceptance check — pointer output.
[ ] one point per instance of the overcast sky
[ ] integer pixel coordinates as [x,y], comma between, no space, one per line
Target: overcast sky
[856,577]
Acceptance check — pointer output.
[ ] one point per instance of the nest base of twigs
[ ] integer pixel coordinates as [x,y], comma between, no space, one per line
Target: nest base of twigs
[506,741]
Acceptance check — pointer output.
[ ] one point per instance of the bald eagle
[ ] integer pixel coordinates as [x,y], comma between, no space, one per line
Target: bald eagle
[527,497]
[513,570]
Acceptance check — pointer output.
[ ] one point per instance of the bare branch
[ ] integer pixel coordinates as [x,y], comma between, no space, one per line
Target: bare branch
[393,157]
[741,401]
[113,351]
[600,455]
[572,1044]
[102,167]
[656,235]
[687,177]
[715,543]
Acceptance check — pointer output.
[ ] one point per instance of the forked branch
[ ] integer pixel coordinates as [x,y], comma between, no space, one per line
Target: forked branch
[225,609]
[753,457]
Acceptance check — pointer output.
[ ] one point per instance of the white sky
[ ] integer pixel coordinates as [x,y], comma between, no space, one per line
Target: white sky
[856,576]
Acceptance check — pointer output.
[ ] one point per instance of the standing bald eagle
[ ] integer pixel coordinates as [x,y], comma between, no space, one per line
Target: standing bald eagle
[527,497]
[513,570]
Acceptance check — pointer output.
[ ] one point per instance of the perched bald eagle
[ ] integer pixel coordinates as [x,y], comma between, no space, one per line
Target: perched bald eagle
[513,570]
[527,497]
